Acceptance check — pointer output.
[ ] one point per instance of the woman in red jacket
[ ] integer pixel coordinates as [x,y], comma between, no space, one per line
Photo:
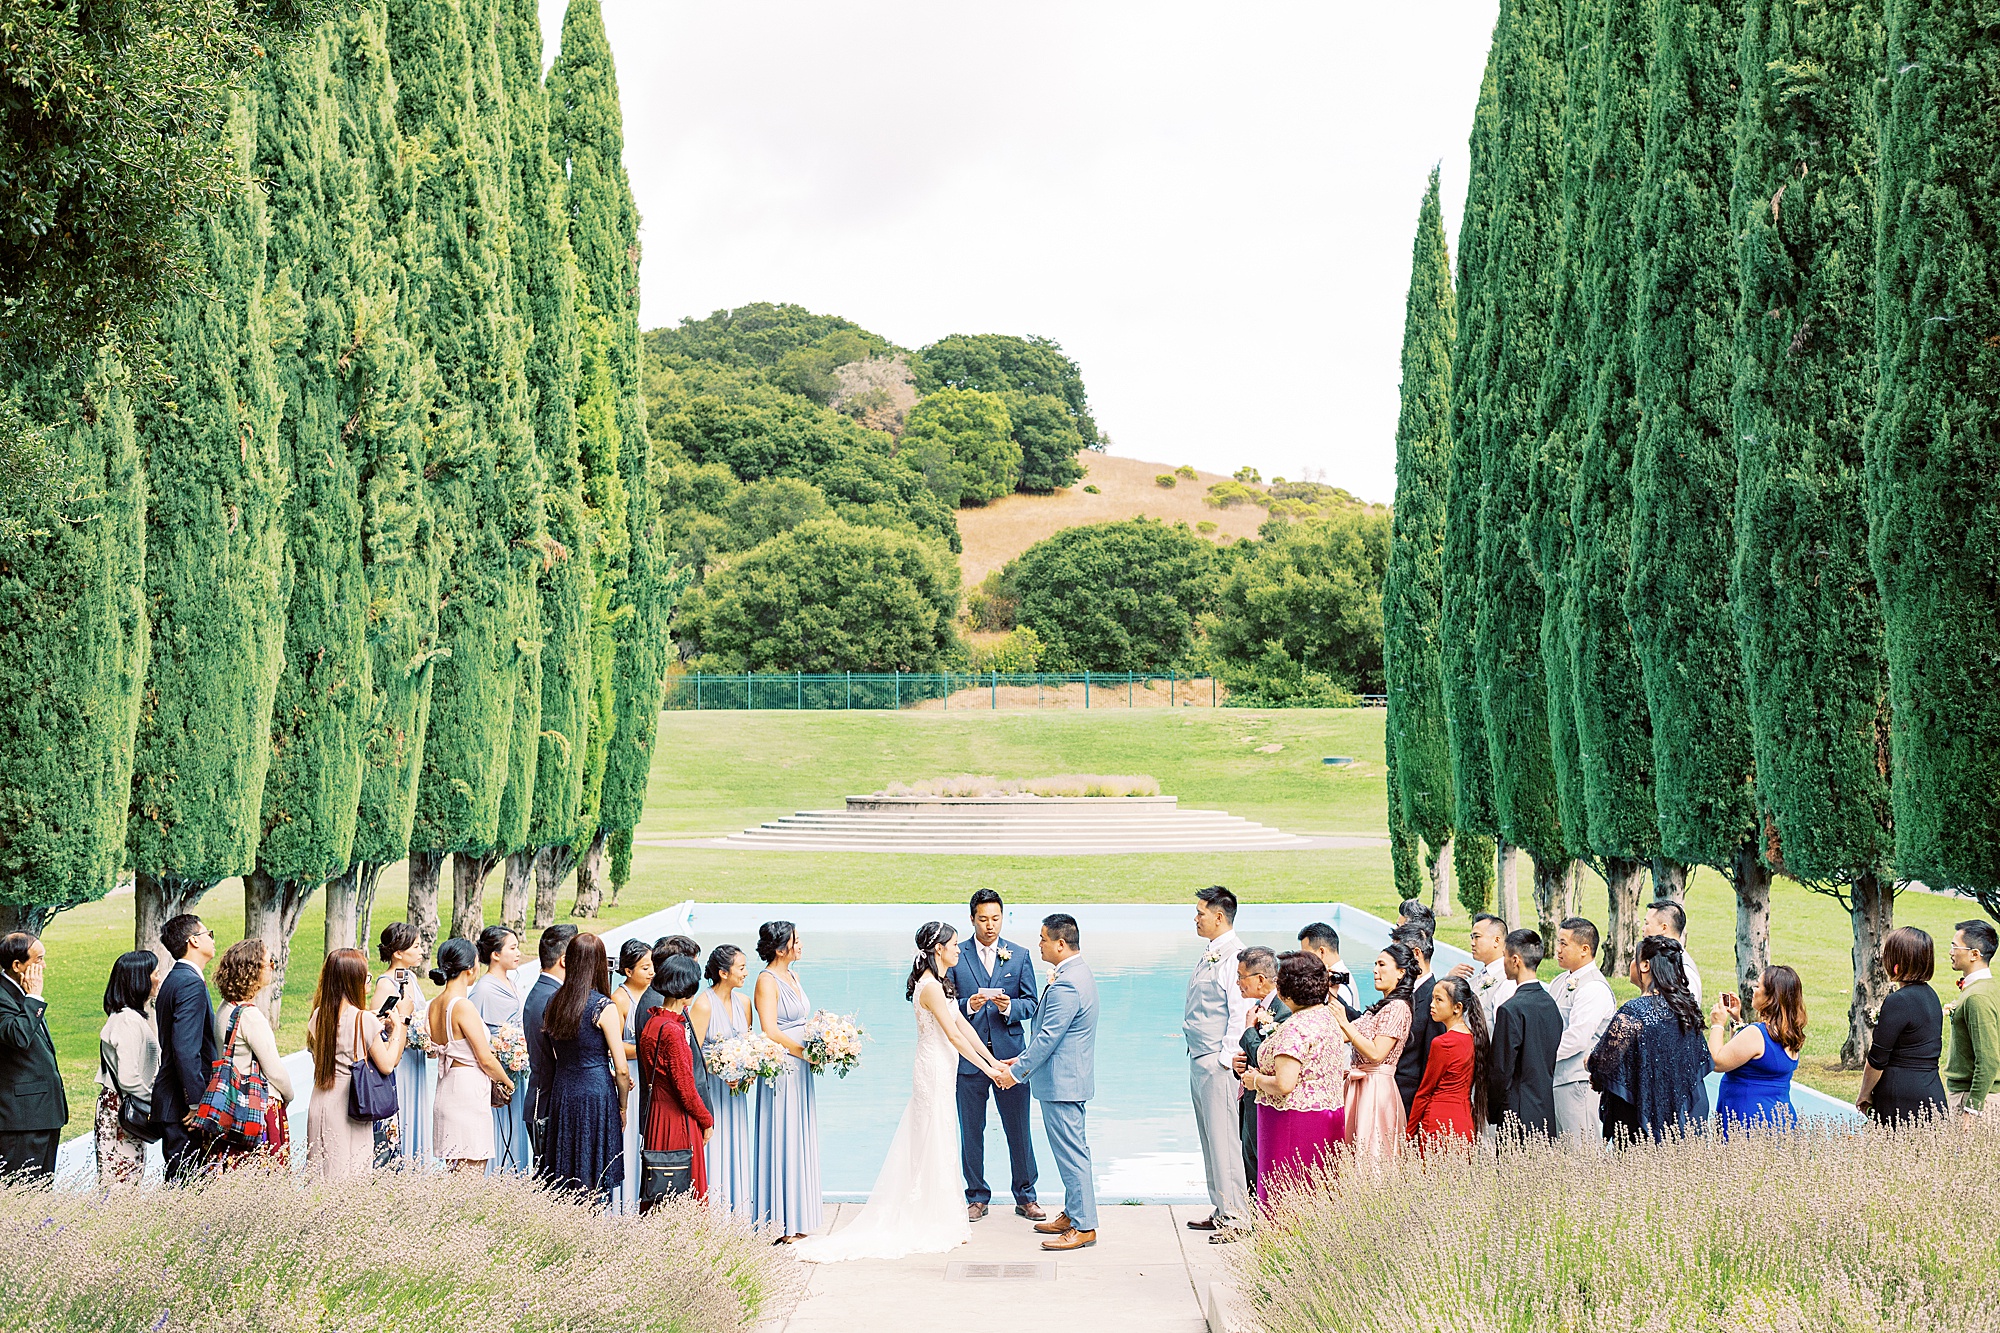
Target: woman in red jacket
[1451,1101]
[676,1116]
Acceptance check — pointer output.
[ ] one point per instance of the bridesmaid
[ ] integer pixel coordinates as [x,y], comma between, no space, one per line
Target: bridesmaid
[406,1140]
[462,1119]
[635,965]
[499,1001]
[788,1201]
[720,1013]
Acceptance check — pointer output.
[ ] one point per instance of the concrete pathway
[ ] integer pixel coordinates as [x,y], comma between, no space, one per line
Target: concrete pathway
[1147,1274]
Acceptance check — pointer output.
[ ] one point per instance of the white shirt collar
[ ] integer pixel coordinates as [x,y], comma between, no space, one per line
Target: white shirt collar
[1057,969]
[1983,974]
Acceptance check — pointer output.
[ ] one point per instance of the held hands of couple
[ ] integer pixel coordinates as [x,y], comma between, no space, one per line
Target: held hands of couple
[1005,1078]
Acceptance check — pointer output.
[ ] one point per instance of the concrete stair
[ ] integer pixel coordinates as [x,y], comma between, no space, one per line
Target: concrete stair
[1019,826]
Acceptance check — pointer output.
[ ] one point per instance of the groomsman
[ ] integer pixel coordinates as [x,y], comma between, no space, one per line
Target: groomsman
[1669,918]
[1257,978]
[1488,970]
[1585,1000]
[1216,1013]
[995,981]
[1527,1029]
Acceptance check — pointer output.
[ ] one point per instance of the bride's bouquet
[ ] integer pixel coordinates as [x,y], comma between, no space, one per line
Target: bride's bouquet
[741,1060]
[832,1042]
[510,1048]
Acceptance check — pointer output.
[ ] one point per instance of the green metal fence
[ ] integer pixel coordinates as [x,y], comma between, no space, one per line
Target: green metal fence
[798,690]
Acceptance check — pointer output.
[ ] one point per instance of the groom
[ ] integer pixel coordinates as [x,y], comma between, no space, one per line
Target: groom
[994,965]
[1059,1066]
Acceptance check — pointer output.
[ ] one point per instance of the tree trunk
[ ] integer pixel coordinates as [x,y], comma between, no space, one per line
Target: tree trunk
[552,866]
[1625,885]
[1509,891]
[1555,893]
[158,900]
[589,880]
[516,885]
[424,870]
[1872,902]
[271,912]
[468,892]
[350,906]
[34,918]
[1670,880]
[1752,879]
[1441,892]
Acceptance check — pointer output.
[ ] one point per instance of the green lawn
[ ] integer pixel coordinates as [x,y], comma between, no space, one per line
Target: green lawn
[717,772]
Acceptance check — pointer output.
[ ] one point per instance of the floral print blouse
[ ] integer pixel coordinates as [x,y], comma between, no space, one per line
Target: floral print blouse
[1313,1039]
[1391,1020]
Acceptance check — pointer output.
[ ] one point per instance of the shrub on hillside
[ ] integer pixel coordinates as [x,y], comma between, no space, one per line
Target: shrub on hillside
[1020,651]
[962,441]
[1165,479]
[1229,494]
[1299,616]
[1115,596]
[990,606]
[826,596]
[1091,490]
[1185,472]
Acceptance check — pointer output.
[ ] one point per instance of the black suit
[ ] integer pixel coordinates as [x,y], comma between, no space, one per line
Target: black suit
[188,1051]
[1521,1073]
[541,1055]
[1417,1050]
[1251,1042]
[33,1108]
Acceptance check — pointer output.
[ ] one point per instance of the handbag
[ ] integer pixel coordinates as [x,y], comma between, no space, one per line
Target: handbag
[135,1114]
[234,1104]
[371,1094]
[663,1175]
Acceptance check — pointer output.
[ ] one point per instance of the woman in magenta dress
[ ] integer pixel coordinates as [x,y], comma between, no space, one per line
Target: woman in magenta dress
[1300,1079]
[1451,1100]
[1375,1116]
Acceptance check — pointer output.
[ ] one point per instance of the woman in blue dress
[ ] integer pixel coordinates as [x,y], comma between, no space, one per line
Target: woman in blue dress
[499,1002]
[406,1139]
[586,1102]
[788,1202]
[1757,1063]
[719,1014]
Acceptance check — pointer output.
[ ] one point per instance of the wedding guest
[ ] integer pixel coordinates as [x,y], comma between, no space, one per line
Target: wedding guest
[1973,1072]
[501,1006]
[1374,1117]
[1423,1029]
[1584,998]
[788,1191]
[1300,1079]
[341,1033]
[406,1140]
[679,946]
[1214,1017]
[241,975]
[1257,979]
[128,1060]
[33,1107]
[1416,912]
[1488,970]
[722,1012]
[585,1149]
[635,969]
[994,985]
[462,1115]
[1900,1080]
[1451,1101]
[551,949]
[643,1011]
[677,1118]
[1757,1061]
[1650,1066]
[187,1042]
[1323,942]
[1527,1032]
[1667,917]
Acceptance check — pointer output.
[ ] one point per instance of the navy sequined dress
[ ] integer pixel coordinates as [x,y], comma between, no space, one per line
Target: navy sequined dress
[586,1138]
[1650,1071]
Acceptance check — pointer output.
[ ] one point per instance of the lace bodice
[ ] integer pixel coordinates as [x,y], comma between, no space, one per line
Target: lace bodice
[933,1046]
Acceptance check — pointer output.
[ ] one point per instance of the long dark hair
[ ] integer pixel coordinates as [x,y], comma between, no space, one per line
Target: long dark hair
[585,969]
[343,979]
[130,985]
[1460,991]
[1402,956]
[930,937]
[1663,956]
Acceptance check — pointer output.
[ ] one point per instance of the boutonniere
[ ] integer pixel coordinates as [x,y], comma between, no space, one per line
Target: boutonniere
[1267,1022]
[1211,958]
[1005,955]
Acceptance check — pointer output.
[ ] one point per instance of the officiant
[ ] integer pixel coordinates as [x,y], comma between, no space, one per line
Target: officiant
[995,985]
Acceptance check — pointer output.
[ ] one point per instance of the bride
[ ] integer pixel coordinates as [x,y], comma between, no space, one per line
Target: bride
[918,1203]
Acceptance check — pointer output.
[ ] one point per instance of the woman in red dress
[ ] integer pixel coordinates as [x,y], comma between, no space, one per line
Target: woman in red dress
[1451,1100]
[676,1116]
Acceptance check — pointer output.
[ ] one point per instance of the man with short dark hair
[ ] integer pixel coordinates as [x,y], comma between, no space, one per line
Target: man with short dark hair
[995,985]
[1527,1029]
[1323,942]
[1423,1028]
[1214,1017]
[1257,979]
[1666,917]
[33,1108]
[1973,1072]
[1417,912]
[1060,1068]
[1584,998]
[1488,970]
[188,1046]
[541,1054]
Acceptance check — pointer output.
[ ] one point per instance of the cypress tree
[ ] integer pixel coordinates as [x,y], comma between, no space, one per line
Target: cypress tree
[1614,731]
[1933,445]
[216,570]
[1684,474]
[1404,859]
[1520,282]
[1412,590]
[1471,767]
[73,648]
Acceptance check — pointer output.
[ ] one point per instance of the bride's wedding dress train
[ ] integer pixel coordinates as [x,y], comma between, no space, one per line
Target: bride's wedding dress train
[918,1203]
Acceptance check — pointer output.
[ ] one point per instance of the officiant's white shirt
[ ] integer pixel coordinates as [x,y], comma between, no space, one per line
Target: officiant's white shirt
[1493,988]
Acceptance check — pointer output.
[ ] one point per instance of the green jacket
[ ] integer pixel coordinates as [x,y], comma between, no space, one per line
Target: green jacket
[1975,1043]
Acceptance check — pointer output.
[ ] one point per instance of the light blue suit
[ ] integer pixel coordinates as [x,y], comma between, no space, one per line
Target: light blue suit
[1060,1068]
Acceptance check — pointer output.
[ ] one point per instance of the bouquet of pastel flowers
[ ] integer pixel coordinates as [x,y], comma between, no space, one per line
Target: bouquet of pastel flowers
[741,1060]
[420,1028]
[510,1048]
[832,1042]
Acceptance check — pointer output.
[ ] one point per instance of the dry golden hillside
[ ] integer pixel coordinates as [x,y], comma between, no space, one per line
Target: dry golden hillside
[998,532]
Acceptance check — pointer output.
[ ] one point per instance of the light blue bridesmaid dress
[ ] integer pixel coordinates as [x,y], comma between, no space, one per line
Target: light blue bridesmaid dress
[788,1201]
[732,1153]
[499,1005]
[416,1081]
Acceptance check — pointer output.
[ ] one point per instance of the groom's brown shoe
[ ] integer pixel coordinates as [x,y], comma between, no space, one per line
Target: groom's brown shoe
[1071,1240]
[1057,1227]
[1032,1211]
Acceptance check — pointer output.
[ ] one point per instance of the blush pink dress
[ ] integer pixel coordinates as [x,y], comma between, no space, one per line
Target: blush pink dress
[462,1124]
[1375,1117]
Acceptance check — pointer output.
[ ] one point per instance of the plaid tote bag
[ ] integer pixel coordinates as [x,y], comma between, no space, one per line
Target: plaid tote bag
[234,1104]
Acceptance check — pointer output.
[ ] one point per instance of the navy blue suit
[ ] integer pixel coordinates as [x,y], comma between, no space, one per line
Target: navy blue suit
[1005,1037]
[541,1053]
[188,1050]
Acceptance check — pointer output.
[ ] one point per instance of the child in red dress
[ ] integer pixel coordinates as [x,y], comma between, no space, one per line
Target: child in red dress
[1451,1101]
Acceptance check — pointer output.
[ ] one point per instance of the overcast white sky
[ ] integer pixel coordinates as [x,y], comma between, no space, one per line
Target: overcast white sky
[1209,206]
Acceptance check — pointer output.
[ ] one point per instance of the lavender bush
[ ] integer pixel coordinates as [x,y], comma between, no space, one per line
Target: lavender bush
[255,1250]
[1811,1230]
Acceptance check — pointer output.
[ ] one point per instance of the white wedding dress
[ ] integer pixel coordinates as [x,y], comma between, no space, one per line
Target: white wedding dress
[918,1203]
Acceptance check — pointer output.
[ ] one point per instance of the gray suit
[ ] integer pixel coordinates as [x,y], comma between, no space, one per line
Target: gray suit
[1213,1022]
[1060,1069]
